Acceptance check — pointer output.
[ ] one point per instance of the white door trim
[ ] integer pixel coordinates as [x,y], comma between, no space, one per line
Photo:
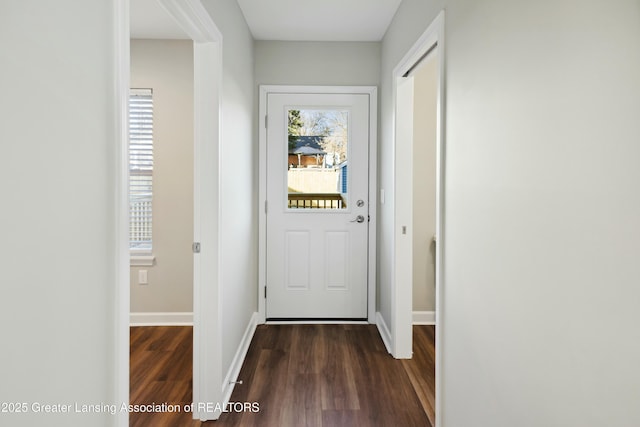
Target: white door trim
[207,312]
[372,91]
[402,266]
[121,207]
[196,22]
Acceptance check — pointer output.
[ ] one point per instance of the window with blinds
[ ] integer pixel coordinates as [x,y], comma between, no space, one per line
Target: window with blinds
[140,170]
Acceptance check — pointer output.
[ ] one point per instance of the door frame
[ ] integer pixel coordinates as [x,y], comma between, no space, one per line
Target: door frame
[196,22]
[372,92]
[402,275]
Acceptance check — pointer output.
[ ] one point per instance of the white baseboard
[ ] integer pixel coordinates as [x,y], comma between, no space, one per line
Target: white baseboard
[238,360]
[316,322]
[384,331]
[161,319]
[424,317]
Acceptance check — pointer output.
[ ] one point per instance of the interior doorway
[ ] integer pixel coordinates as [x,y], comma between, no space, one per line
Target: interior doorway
[161,181]
[425,102]
[194,20]
[419,72]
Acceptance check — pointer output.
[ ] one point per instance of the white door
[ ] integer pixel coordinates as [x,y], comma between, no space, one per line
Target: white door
[317,206]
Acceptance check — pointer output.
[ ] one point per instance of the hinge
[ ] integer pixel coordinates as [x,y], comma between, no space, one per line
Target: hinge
[368,218]
[265,206]
[196,247]
[266,121]
[265,292]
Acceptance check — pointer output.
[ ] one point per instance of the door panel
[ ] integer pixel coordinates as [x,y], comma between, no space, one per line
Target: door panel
[336,250]
[297,259]
[317,185]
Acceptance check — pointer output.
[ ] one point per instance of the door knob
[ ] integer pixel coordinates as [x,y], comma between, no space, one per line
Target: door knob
[359,219]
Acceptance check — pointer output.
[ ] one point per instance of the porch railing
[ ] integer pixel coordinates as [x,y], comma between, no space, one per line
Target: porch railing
[317,201]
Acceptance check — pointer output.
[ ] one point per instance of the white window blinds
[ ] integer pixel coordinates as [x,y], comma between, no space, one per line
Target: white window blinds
[140,169]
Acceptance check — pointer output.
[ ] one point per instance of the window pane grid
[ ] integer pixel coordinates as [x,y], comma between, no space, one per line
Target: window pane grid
[140,169]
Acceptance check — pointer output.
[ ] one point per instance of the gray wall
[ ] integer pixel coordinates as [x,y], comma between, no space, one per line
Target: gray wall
[57,250]
[166,66]
[317,63]
[239,182]
[425,102]
[542,231]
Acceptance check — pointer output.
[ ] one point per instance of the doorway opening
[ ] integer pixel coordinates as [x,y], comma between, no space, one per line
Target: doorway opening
[161,215]
[419,143]
[425,101]
[161,181]
[194,20]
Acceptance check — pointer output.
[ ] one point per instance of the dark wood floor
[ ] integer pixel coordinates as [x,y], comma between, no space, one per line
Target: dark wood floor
[161,360]
[299,375]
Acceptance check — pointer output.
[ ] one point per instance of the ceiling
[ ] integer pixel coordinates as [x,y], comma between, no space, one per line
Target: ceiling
[295,20]
[319,20]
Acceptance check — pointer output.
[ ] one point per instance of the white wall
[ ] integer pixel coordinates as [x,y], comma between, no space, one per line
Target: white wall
[542,230]
[425,101]
[166,66]
[239,179]
[57,250]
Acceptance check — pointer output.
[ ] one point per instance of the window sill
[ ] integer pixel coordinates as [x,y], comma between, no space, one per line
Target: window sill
[142,260]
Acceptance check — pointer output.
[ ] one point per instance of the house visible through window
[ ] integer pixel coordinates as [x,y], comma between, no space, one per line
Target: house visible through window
[140,170]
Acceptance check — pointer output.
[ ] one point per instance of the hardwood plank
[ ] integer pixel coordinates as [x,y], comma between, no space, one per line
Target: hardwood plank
[300,375]
[338,386]
[421,368]
[161,372]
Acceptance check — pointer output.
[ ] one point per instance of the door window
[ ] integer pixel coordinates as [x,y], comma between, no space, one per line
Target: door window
[317,159]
